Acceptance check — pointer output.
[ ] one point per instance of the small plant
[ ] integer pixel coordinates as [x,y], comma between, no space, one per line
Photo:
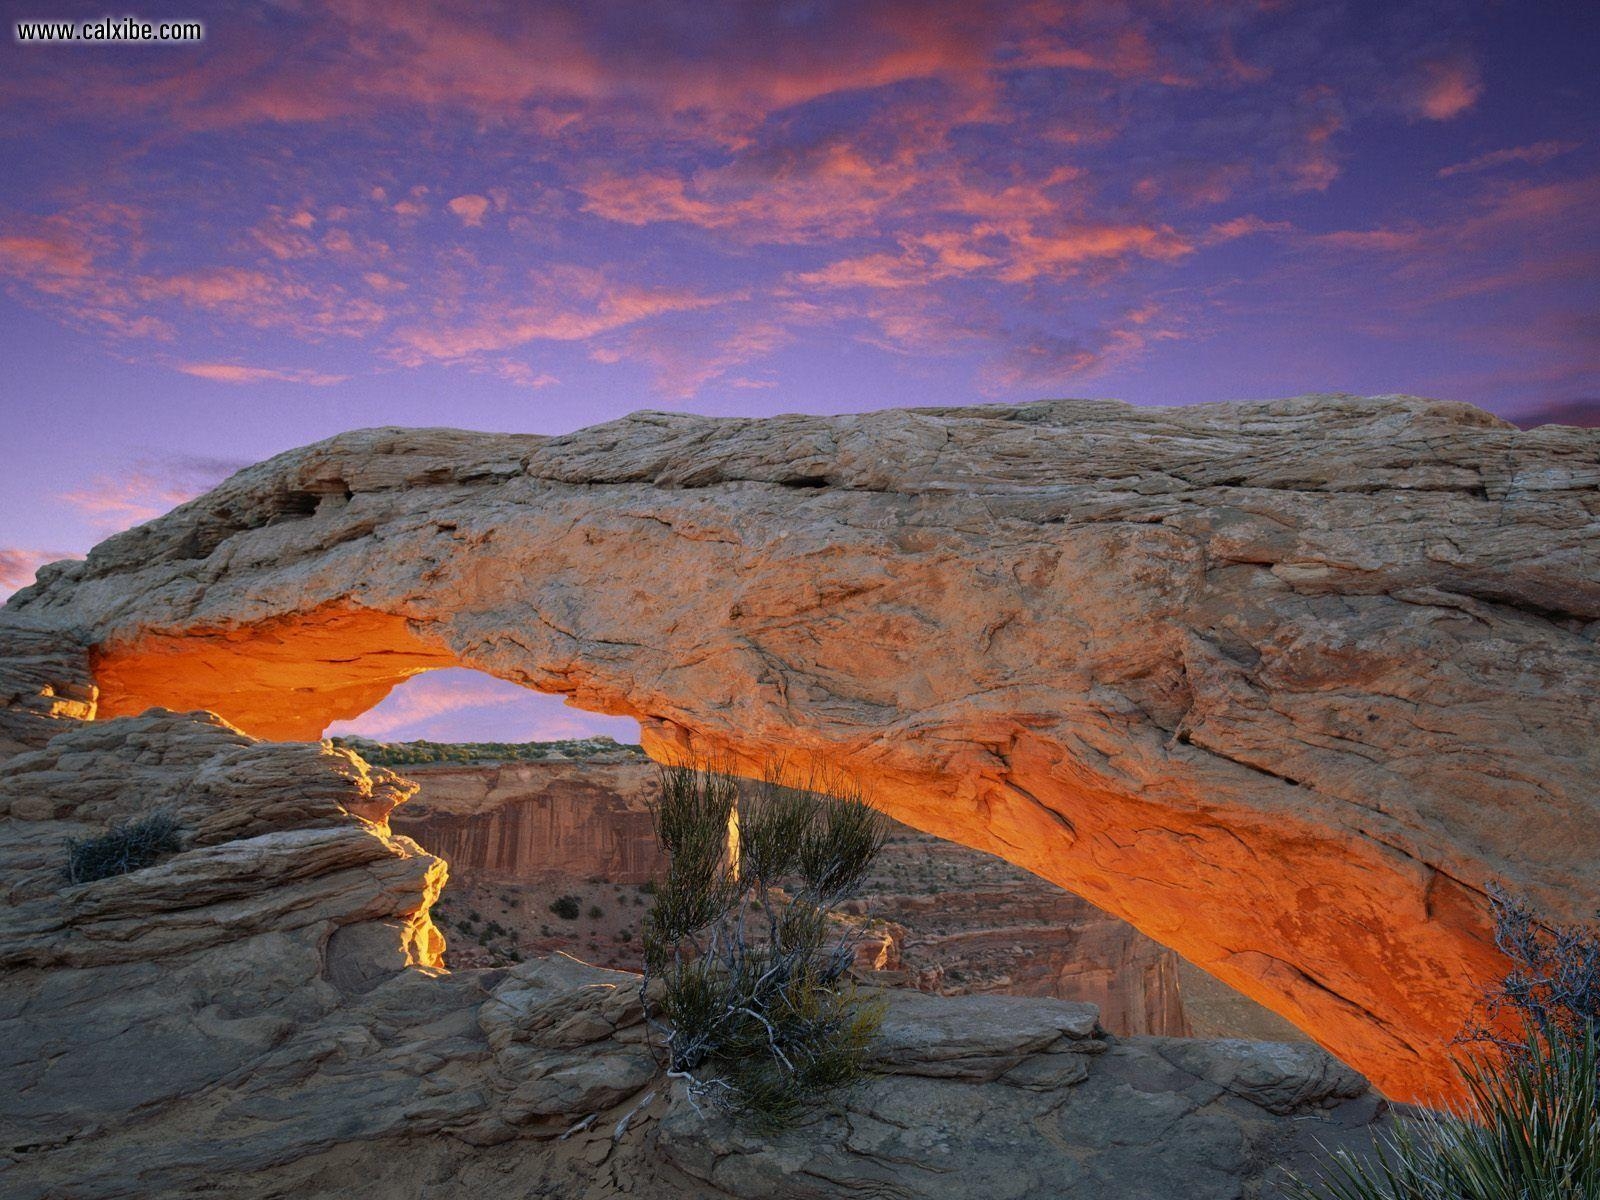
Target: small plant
[596,912]
[130,846]
[1530,1126]
[566,907]
[1554,984]
[756,1011]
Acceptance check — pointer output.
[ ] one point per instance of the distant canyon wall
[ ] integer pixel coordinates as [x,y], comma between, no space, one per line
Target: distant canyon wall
[959,921]
[589,819]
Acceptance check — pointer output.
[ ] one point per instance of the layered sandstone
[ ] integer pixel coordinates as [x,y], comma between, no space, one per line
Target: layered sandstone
[260,1014]
[1285,684]
[587,819]
[964,923]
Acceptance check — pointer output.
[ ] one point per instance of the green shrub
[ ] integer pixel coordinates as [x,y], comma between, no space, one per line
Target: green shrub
[757,1013]
[1529,1130]
[130,846]
[566,907]
[596,912]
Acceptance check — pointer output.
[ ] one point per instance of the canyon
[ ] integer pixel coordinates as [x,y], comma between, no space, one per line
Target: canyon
[1284,684]
[946,919]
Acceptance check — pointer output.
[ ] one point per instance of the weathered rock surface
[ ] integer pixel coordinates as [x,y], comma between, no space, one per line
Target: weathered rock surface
[958,922]
[1285,684]
[517,820]
[258,1015]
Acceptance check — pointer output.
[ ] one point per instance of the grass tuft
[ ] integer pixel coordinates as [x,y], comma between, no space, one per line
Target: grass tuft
[130,846]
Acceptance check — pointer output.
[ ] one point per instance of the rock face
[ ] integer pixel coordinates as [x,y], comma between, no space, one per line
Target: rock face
[589,818]
[1284,684]
[259,1015]
[964,923]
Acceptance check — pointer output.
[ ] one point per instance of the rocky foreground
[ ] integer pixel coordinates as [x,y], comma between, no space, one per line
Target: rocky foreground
[1287,685]
[262,1014]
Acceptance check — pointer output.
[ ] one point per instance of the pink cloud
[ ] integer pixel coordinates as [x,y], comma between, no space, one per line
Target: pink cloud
[469,208]
[17,566]
[235,373]
[575,304]
[461,705]
[285,237]
[1447,88]
[1538,152]
[380,282]
[147,488]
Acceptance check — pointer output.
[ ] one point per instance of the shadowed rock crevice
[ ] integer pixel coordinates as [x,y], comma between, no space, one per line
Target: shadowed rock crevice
[1216,669]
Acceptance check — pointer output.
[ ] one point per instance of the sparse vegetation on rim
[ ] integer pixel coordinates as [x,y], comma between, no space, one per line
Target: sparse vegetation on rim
[745,976]
[415,753]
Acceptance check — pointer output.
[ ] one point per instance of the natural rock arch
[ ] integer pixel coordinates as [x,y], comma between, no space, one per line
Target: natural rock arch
[1284,684]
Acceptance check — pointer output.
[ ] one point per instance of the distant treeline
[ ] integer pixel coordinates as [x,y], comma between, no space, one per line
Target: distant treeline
[397,754]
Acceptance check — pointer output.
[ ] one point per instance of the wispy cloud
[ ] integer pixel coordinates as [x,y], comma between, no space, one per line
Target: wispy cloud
[237,373]
[17,566]
[1535,153]
[146,488]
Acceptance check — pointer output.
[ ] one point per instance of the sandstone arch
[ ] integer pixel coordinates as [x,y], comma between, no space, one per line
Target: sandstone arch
[1284,684]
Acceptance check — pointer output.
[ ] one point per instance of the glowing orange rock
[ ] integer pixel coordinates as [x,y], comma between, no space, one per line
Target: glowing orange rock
[1284,684]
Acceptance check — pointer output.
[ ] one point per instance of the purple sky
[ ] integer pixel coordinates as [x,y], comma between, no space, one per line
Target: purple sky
[536,217]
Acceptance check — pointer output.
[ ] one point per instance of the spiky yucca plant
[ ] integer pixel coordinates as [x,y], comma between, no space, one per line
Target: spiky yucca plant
[756,1012]
[1529,1127]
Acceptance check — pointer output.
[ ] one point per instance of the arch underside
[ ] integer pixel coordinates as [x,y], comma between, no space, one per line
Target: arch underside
[1242,898]
[1289,729]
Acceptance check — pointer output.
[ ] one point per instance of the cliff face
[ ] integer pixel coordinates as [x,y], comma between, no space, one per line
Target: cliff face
[1285,684]
[967,923]
[584,819]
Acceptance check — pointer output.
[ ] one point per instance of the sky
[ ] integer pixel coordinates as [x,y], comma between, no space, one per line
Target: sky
[534,217]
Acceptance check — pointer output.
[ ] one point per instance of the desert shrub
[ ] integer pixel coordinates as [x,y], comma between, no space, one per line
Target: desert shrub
[1554,982]
[130,846]
[596,912]
[566,907]
[1529,1127]
[756,1011]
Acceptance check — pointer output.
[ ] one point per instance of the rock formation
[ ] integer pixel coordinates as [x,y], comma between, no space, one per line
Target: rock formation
[957,922]
[259,1015]
[587,818]
[1285,684]
[965,923]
